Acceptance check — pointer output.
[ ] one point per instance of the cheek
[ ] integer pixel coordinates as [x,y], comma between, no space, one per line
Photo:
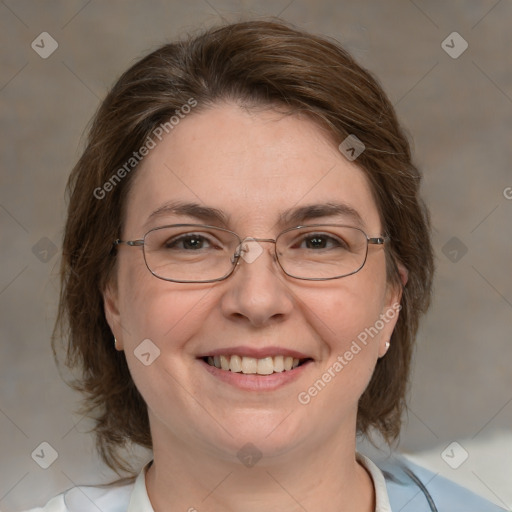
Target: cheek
[348,326]
[154,309]
[158,319]
[348,357]
[347,320]
[351,309]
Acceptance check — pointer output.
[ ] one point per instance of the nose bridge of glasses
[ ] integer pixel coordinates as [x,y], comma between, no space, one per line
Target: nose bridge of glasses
[247,253]
[252,239]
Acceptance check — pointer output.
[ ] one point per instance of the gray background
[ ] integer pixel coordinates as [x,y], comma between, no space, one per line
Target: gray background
[459,113]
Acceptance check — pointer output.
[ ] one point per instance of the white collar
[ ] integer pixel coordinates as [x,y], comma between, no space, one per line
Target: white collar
[379,483]
[139,500]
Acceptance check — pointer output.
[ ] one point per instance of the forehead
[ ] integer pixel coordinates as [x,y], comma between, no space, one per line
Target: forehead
[250,165]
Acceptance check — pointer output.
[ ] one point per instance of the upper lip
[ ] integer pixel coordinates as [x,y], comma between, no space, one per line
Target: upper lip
[257,353]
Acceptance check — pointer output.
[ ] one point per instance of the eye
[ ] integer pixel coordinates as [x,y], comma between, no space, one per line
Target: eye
[189,241]
[321,241]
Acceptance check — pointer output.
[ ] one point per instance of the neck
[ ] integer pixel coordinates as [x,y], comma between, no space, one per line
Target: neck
[325,477]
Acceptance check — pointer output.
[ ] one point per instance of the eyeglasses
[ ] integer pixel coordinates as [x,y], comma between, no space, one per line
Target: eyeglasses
[194,253]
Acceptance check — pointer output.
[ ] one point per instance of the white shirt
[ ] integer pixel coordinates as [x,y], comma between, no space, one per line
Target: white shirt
[134,497]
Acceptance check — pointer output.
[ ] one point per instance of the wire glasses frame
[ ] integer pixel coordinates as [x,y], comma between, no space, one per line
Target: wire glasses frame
[358,235]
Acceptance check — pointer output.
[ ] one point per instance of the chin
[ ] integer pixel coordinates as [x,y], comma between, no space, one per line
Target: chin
[259,434]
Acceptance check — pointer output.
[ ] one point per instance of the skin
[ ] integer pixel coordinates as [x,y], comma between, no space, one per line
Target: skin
[251,164]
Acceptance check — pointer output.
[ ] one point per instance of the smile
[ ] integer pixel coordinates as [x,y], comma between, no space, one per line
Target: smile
[251,365]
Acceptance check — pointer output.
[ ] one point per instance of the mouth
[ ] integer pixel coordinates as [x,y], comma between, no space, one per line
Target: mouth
[255,366]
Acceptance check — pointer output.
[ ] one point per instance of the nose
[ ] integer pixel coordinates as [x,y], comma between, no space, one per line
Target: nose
[257,292]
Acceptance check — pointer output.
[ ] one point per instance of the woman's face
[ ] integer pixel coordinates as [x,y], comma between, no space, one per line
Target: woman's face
[251,165]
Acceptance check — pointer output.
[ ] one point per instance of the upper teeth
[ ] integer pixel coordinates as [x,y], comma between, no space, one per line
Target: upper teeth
[264,366]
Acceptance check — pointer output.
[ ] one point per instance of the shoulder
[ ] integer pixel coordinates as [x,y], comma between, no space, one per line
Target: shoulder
[85,498]
[412,488]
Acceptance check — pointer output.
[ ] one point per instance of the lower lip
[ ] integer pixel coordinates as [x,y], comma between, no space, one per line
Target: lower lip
[254,382]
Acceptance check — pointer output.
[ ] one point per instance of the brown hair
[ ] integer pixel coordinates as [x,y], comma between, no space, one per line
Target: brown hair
[257,62]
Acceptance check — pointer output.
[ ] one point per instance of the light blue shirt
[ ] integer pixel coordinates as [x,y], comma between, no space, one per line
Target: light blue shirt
[400,486]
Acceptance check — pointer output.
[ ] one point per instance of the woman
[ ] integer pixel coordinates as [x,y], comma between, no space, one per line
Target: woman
[245,262]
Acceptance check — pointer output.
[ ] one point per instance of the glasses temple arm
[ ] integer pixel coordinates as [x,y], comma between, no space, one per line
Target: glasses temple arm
[132,243]
[379,240]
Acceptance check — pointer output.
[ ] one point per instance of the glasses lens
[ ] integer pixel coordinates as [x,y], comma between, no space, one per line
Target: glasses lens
[189,252]
[322,252]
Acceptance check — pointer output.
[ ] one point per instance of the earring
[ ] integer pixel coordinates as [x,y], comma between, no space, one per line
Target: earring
[387,344]
[115,343]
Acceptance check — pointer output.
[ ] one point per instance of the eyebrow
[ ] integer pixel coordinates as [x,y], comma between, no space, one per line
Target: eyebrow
[292,216]
[299,215]
[195,210]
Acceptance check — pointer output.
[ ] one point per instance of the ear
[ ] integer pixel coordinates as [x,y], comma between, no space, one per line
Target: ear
[392,309]
[394,289]
[112,315]
[403,273]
